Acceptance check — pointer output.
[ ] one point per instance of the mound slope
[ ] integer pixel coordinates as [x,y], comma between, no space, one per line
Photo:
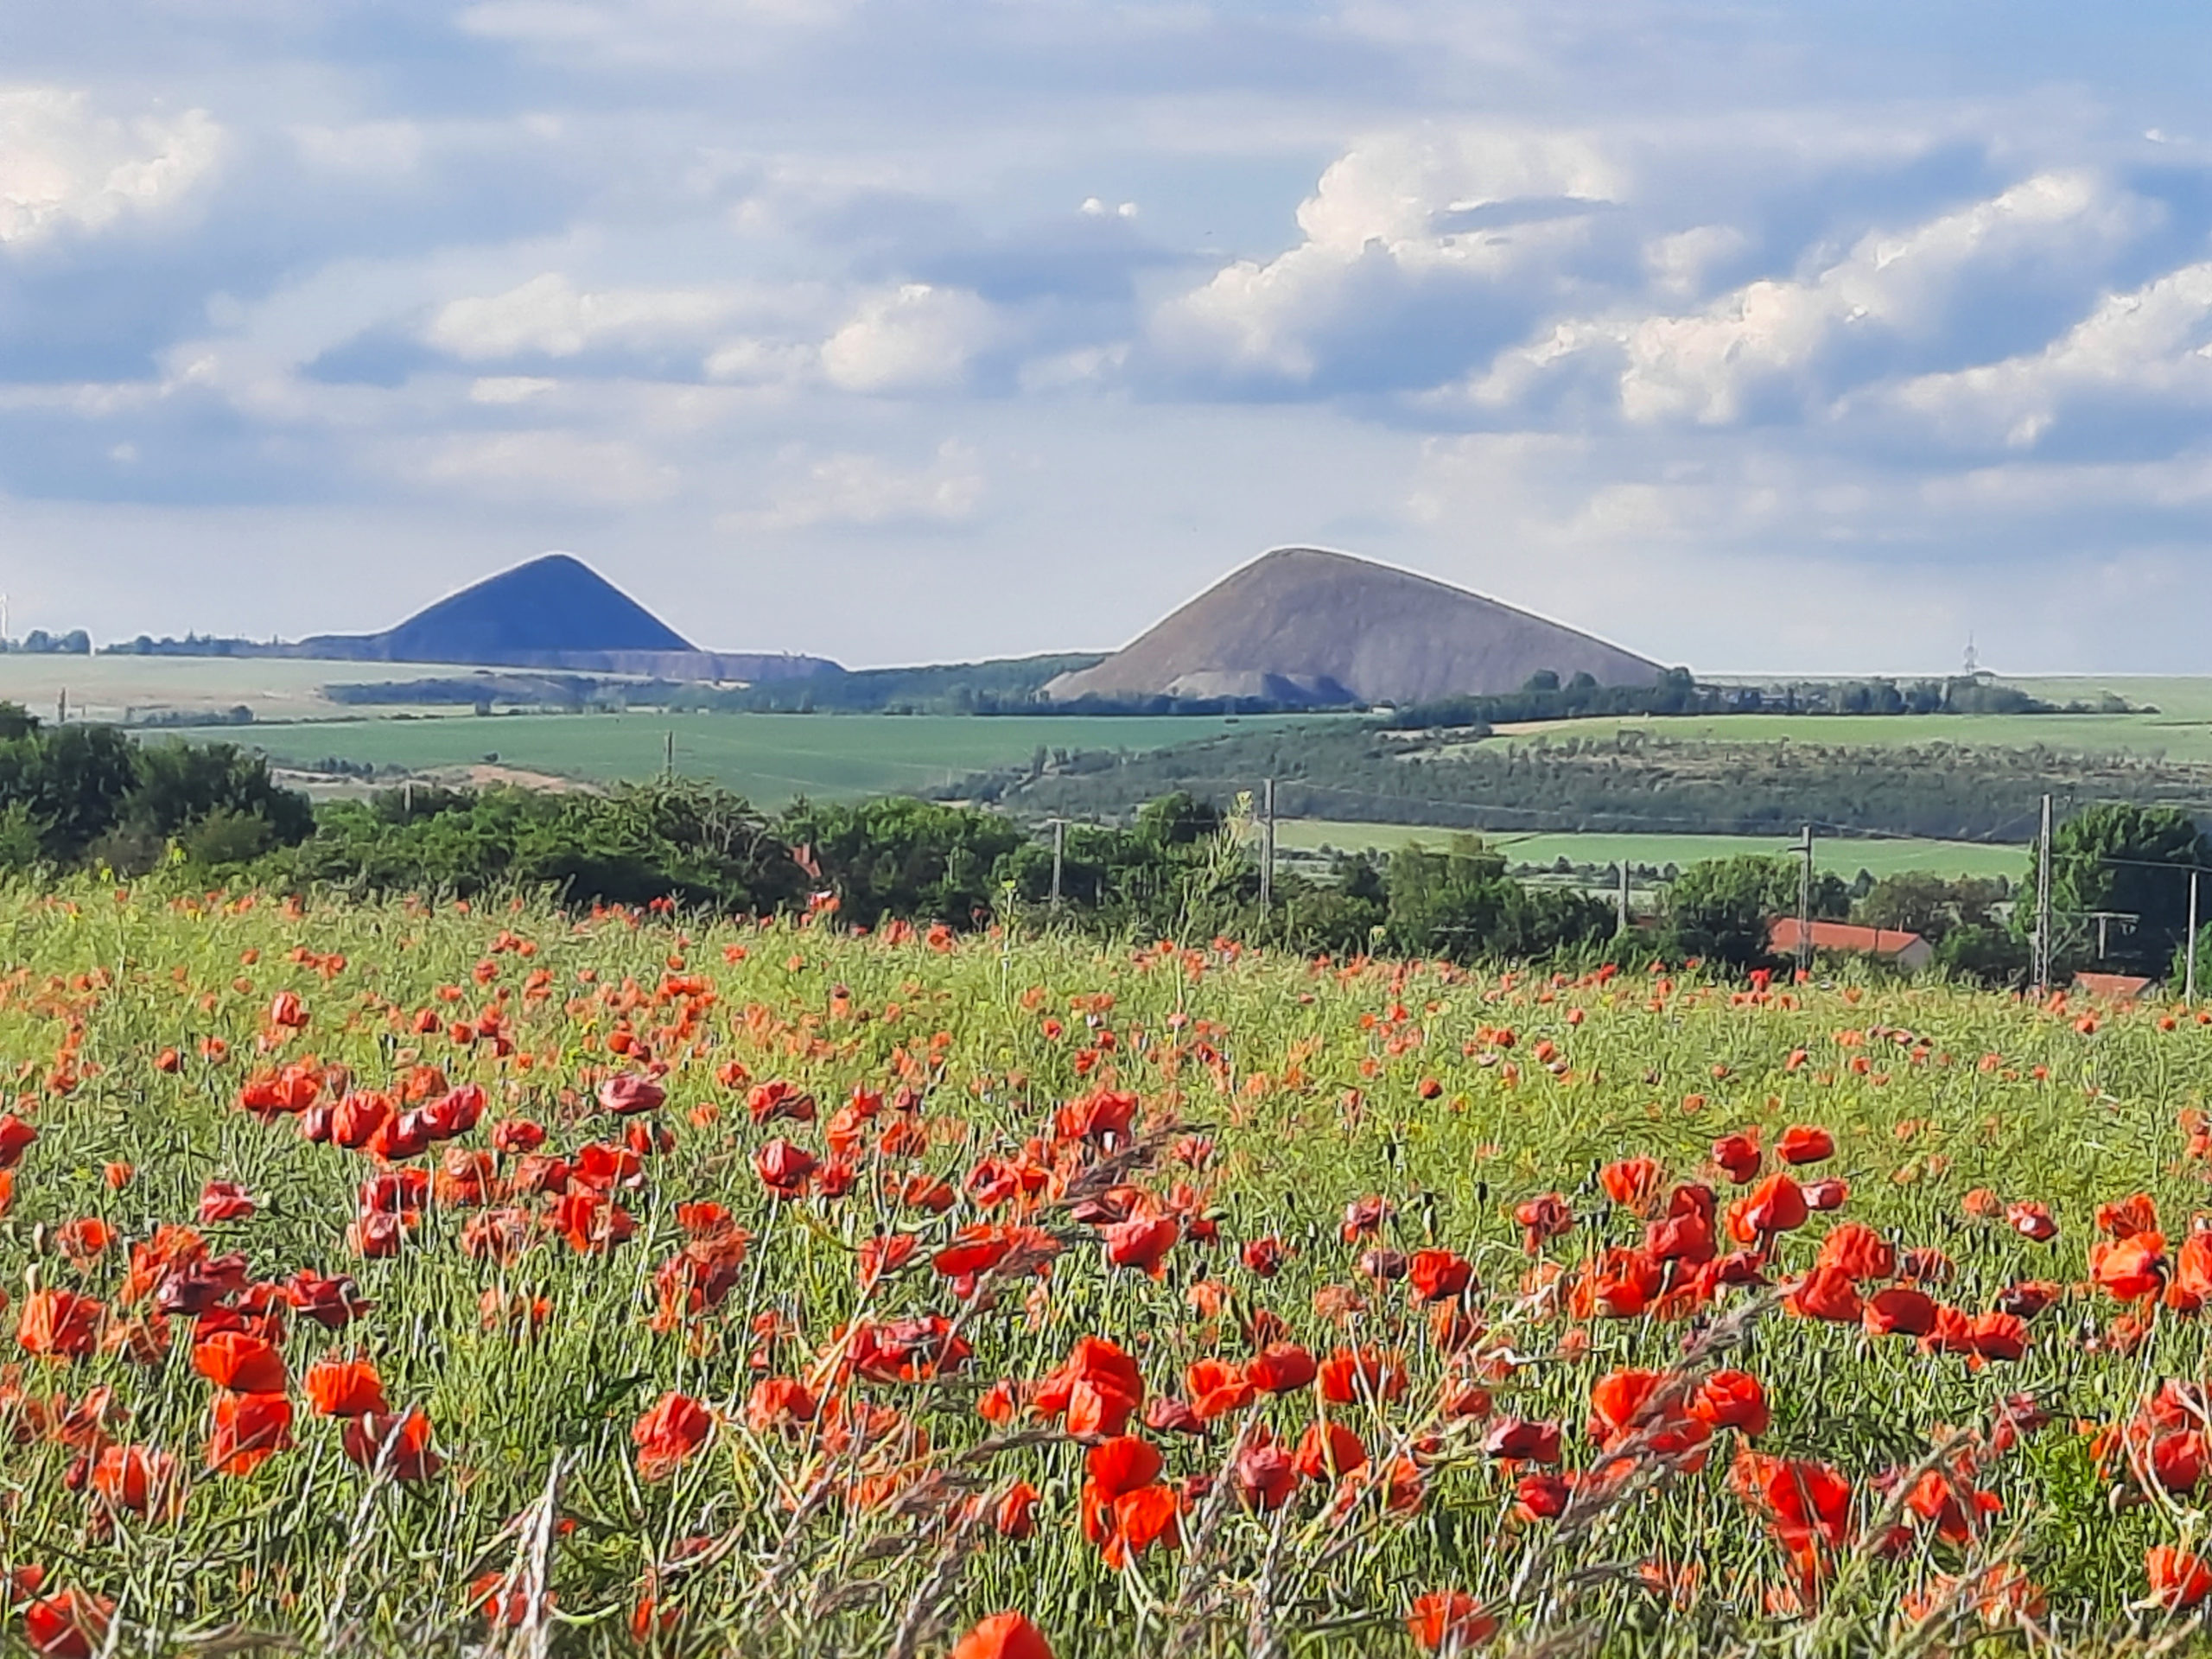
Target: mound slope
[554,612]
[1305,625]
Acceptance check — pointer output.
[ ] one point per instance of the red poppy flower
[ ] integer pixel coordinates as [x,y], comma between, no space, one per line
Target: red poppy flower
[784,1168]
[2176,1459]
[2178,1580]
[1523,1442]
[1003,1635]
[1283,1368]
[331,1303]
[1449,1621]
[1326,1450]
[1738,1155]
[223,1201]
[1826,1293]
[59,1324]
[136,1479]
[250,1429]
[2132,1268]
[1545,1216]
[776,1403]
[1142,1242]
[1349,1377]
[1633,1182]
[239,1362]
[1015,1514]
[1217,1388]
[1732,1400]
[1097,1390]
[1136,1521]
[1264,1475]
[1857,1252]
[344,1388]
[400,1444]
[2032,1221]
[2134,1214]
[630,1093]
[1439,1276]
[1801,1144]
[70,1625]
[672,1431]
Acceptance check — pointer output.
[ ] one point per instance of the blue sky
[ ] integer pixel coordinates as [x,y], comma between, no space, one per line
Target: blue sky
[1807,335]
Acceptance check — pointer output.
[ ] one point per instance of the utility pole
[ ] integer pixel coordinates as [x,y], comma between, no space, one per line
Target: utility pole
[668,765]
[1268,844]
[1805,907]
[1624,908]
[61,708]
[2041,954]
[1059,856]
[2189,972]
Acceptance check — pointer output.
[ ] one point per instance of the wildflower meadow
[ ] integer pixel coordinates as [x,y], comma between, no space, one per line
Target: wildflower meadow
[398,1277]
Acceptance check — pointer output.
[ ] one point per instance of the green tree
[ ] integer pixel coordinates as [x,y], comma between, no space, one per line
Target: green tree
[2126,859]
[1460,903]
[895,857]
[1721,909]
[1920,901]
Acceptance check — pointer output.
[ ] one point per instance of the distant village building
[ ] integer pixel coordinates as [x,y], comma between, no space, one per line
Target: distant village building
[2112,988]
[1906,951]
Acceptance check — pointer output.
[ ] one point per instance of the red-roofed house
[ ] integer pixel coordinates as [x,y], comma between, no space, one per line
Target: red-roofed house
[2112,988]
[1908,951]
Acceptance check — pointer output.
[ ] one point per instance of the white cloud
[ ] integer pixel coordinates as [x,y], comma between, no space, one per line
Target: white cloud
[549,314]
[916,338]
[859,489]
[1405,205]
[62,164]
[1677,263]
[2152,344]
[539,467]
[1703,365]
[751,360]
[501,389]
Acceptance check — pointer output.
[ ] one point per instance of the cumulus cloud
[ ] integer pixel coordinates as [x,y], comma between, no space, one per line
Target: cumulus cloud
[1467,209]
[2149,347]
[549,315]
[915,338]
[63,164]
[1705,366]
[849,488]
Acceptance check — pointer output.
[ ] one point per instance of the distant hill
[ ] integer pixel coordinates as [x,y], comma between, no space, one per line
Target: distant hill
[1304,625]
[554,612]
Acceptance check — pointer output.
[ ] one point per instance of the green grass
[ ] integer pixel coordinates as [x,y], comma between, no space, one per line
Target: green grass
[769,757]
[1844,856]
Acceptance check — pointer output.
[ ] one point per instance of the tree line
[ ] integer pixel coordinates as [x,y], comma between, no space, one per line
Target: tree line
[87,796]
[1619,781]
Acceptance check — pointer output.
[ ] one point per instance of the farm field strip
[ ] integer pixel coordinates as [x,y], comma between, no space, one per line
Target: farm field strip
[1846,856]
[769,757]
[383,1278]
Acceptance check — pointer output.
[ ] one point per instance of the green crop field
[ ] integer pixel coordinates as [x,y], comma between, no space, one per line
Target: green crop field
[1846,856]
[769,757]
